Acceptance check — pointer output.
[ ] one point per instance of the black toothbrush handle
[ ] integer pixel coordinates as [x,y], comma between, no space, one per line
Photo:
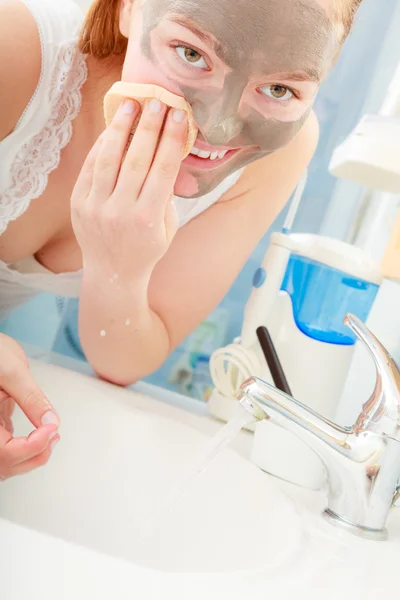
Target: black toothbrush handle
[273,362]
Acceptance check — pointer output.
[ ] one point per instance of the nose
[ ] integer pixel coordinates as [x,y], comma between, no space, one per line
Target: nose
[219,118]
[222,131]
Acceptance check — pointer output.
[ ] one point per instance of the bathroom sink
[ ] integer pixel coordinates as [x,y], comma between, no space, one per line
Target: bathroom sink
[115,465]
[79,528]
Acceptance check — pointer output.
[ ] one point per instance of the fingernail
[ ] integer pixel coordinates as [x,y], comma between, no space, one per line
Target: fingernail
[155,106]
[128,107]
[53,435]
[179,116]
[50,418]
[53,445]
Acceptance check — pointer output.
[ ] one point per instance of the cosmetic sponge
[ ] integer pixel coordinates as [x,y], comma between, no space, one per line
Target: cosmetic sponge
[142,92]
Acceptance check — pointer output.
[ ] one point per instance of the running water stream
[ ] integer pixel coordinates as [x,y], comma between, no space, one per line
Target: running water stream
[240,418]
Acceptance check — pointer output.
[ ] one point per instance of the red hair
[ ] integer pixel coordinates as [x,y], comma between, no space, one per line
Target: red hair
[344,13]
[101,36]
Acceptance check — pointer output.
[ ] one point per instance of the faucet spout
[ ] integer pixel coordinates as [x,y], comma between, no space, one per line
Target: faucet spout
[362,462]
[264,401]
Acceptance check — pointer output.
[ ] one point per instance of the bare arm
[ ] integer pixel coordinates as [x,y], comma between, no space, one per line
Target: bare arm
[20,62]
[146,323]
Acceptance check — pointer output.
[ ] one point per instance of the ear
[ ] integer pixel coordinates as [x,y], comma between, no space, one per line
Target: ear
[125,17]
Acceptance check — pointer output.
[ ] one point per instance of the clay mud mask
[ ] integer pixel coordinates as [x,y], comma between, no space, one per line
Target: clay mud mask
[249,69]
[255,39]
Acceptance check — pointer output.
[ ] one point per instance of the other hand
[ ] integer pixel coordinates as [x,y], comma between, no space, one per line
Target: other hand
[17,386]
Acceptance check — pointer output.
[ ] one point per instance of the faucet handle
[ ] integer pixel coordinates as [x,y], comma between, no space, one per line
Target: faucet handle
[381,413]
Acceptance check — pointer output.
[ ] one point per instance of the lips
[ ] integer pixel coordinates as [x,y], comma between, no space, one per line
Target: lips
[211,155]
[206,157]
[208,164]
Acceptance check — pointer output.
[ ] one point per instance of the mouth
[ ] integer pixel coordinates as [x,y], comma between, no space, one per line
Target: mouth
[206,157]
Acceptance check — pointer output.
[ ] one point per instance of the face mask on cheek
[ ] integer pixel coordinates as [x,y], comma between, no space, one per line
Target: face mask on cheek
[220,120]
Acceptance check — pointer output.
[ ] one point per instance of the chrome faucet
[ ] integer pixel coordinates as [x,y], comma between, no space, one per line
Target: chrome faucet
[362,462]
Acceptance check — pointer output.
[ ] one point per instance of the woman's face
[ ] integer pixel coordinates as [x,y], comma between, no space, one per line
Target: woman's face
[249,68]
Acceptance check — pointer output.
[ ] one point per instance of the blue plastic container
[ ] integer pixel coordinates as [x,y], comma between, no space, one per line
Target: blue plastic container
[322,296]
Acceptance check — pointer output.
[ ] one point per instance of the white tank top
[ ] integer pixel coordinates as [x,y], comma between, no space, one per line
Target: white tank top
[32,151]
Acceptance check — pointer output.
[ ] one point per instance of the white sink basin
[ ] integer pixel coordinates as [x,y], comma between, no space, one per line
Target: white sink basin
[74,528]
[115,465]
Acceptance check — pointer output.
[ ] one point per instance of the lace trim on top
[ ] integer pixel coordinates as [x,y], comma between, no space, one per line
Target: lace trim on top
[41,155]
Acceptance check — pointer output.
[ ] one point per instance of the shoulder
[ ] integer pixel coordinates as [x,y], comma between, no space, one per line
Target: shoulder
[20,62]
[25,28]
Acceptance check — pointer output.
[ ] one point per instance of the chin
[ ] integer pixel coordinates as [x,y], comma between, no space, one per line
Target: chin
[191,184]
[188,185]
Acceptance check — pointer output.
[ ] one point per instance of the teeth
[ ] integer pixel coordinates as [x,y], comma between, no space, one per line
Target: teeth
[211,155]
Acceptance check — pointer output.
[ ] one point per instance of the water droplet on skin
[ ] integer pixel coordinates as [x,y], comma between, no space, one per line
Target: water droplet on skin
[127,322]
[115,276]
[103,333]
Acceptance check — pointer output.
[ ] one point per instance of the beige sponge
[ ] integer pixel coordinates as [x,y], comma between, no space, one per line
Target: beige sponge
[142,92]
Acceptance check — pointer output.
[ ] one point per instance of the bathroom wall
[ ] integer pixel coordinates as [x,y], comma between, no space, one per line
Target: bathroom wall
[367,63]
[353,213]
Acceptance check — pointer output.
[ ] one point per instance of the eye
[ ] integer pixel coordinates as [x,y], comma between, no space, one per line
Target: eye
[277,92]
[191,57]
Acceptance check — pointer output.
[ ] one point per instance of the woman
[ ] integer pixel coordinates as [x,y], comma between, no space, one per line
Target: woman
[77,220]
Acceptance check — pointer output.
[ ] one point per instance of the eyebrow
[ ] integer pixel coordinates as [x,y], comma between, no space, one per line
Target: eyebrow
[302,75]
[205,37]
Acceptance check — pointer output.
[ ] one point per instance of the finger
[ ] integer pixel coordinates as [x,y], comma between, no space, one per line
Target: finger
[6,407]
[141,152]
[84,182]
[18,382]
[34,463]
[8,424]
[160,182]
[6,411]
[19,450]
[10,408]
[110,157]
[5,434]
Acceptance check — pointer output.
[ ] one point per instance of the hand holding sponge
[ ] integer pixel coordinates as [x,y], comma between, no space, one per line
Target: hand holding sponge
[142,92]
